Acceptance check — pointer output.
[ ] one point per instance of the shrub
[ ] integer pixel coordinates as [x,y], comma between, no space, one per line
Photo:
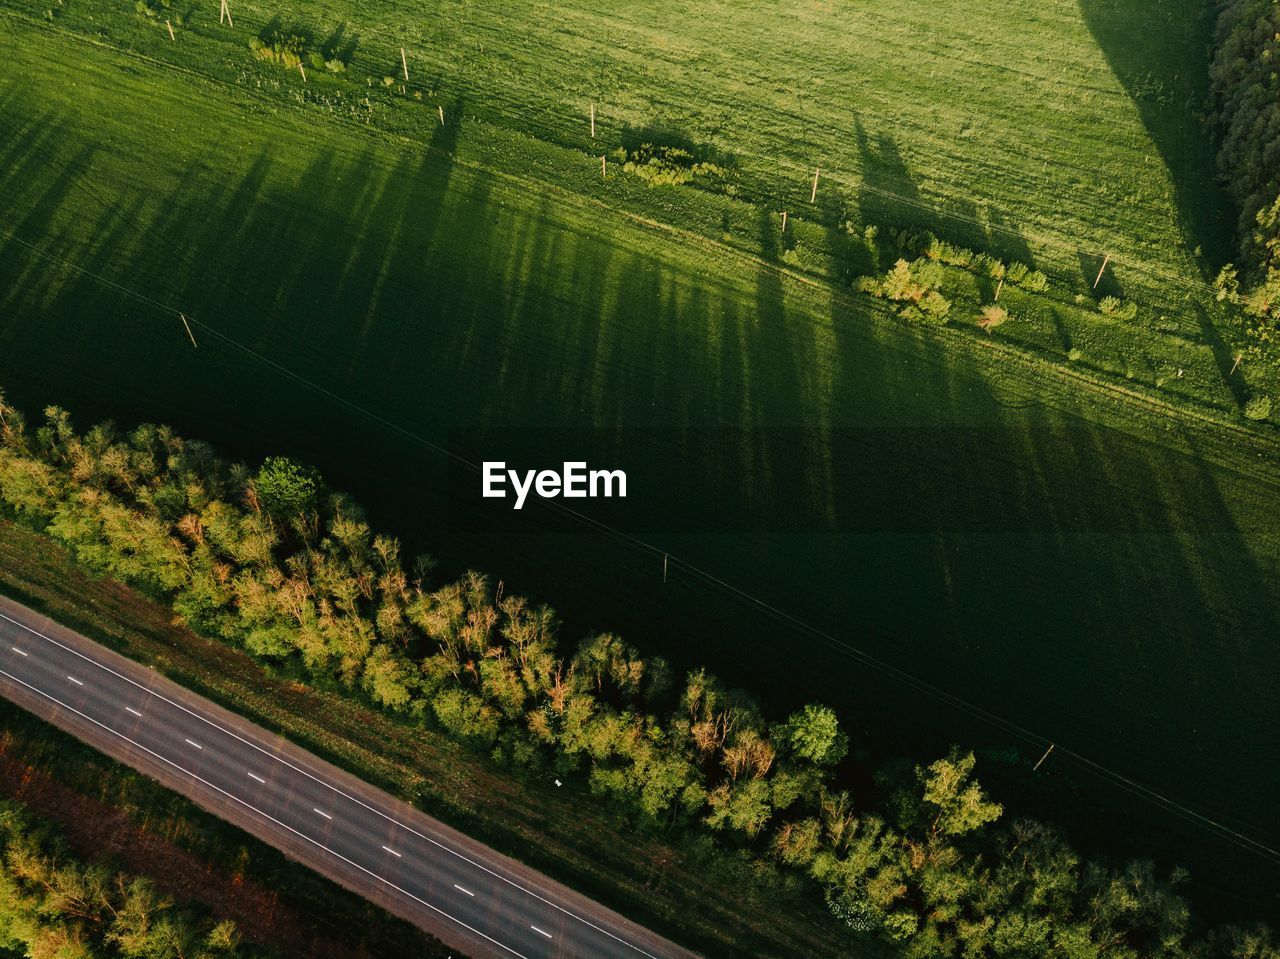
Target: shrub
[335,65]
[992,316]
[666,165]
[1035,282]
[285,49]
[1016,272]
[1118,308]
[1258,407]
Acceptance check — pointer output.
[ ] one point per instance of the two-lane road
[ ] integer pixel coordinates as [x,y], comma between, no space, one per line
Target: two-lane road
[469,896]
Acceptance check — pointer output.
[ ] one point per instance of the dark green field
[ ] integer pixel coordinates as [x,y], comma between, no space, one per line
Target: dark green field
[1086,563]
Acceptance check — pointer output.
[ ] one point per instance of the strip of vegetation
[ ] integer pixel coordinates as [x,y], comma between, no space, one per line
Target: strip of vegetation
[275,563]
[53,904]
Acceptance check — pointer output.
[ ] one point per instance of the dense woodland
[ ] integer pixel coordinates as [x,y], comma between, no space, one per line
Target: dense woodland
[55,905]
[1246,90]
[274,562]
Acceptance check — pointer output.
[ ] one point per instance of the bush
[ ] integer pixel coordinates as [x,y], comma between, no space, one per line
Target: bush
[1034,282]
[1258,407]
[285,49]
[992,316]
[666,165]
[1118,308]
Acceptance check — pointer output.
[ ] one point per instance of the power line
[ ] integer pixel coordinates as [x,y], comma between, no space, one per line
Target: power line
[834,643]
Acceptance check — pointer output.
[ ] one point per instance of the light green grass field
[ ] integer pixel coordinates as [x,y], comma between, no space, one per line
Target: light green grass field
[1029,539]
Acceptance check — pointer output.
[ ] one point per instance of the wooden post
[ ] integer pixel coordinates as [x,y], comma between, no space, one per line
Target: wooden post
[441,109]
[171,36]
[813,196]
[1043,758]
[603,175]
[999,287]
[189,333]
[784,221]
[593,121]
[1235,366]
[1105,260]
[404,63]
[302,71]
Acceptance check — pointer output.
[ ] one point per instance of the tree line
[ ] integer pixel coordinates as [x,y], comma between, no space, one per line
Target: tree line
[274,562]
[1246,112]
[53,904]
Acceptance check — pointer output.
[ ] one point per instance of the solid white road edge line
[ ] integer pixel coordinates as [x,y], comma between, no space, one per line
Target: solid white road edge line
[267,816]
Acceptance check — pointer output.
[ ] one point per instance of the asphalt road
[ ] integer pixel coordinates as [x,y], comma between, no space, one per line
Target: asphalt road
[472,898]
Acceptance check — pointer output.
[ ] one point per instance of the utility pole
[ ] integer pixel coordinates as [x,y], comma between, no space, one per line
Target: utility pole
[784,221]
[664,567]
[603,175]
[189,333]
[404,63]
[171,36]
[1235,366]
[813,196]
[441,109]
[1043,758]
[1105,260]
[593,121]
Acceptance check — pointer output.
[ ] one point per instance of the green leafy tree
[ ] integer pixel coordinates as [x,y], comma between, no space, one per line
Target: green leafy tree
[813,733]
[958,804]
[286,488]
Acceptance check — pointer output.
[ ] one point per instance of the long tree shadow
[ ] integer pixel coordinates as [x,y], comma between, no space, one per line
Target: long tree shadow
[1158,52]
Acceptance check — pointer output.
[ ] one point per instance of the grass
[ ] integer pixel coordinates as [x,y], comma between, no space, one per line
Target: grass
[1051,138]
[649,877]
[1021,531]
